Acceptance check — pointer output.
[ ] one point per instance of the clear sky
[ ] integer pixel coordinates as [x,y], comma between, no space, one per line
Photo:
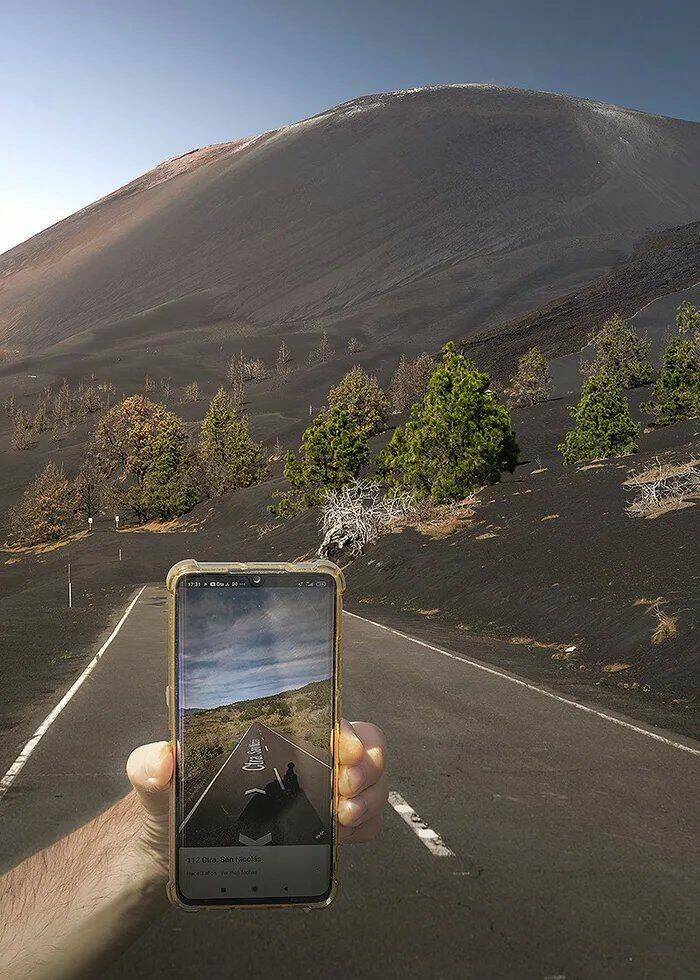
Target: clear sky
[246,643]
[95,93]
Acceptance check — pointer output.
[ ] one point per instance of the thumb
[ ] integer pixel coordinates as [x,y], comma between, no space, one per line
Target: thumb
[150,769]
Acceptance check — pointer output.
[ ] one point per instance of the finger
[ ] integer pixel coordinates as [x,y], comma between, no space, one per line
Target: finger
[365,806]
[359,835]
[150,769]
[350,749]
[353,778]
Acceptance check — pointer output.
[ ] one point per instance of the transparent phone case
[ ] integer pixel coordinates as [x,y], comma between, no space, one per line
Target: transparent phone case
[189,566]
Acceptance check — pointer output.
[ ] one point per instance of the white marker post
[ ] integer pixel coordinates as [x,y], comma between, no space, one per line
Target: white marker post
[70,589]
[120,554]
[116,522]
[89,524]
[310,410]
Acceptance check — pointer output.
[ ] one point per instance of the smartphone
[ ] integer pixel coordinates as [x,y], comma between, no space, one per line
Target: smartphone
[254,708]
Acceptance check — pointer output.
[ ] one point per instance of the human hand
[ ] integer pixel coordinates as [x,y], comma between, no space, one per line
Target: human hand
[362,788]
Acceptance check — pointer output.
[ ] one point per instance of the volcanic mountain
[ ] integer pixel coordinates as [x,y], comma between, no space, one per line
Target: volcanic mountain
[404,219]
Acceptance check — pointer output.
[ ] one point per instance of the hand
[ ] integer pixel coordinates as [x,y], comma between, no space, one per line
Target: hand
[362,788]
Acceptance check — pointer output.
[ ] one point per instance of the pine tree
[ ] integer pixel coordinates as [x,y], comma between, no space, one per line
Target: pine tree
[603,423]
[676,392]
[332,452]
[360,395]
[621,354]
[532,382]
[229,456]
[457,438]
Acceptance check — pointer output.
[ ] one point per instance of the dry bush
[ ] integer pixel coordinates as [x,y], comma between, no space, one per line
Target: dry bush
[664,487]
[355,515]
[322,352]
[191,392]
[254,370]
[354,346]
[410,381]
[49,509]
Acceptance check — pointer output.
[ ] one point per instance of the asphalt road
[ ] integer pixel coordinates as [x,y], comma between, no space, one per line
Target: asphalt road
[569,838]
[248,801]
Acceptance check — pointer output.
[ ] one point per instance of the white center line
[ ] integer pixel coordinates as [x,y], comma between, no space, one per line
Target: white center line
[533,687]
[24,756]
[425,834]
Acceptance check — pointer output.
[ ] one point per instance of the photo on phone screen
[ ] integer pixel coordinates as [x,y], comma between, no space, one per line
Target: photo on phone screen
[255,669]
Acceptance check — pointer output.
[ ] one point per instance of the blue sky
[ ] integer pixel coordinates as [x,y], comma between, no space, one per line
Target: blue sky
[95,93]
[247,643]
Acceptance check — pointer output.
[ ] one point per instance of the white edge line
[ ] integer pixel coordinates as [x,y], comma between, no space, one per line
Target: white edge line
[425,834]
[532,687]
[294,743]
[24,756]
[278,777]
[214,779]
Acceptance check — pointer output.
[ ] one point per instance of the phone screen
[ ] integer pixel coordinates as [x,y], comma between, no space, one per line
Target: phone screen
[255,669]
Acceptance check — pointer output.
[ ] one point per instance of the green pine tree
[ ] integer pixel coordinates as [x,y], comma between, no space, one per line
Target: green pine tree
[229,456]
[603,423]
[170,486]
[457,438]
[333,450]
[676,392]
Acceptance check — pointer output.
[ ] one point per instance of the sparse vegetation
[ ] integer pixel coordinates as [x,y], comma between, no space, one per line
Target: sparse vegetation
[532,382]
[410,381]
[354,346]
[283,366]
[603,426]
[230,458]
[620,353]
[458,438]
[362,398]
[676,392]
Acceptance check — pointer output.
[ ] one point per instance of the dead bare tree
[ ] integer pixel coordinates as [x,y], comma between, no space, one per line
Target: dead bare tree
[356,514]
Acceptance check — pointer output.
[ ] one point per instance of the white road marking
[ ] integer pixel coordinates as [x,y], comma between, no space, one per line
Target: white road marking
[214,779]
[299,746]
[24,756]
[278,778]
[533,687]
[425,834]
[255,790]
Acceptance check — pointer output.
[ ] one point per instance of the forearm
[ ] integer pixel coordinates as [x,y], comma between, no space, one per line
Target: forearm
[76,905]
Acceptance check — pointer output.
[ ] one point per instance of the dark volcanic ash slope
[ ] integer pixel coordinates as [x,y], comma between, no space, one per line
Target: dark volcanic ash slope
[410,218]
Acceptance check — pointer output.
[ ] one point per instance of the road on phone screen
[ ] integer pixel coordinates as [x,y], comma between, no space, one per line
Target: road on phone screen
[268,791]
[528,837]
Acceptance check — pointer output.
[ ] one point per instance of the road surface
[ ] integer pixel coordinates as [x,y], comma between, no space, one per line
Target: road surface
[553,842]
[248,801]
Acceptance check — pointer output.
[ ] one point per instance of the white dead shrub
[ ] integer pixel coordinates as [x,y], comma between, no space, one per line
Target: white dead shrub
[356,514]
[664,487]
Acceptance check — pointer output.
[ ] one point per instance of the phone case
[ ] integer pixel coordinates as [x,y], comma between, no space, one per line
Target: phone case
[190,565]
